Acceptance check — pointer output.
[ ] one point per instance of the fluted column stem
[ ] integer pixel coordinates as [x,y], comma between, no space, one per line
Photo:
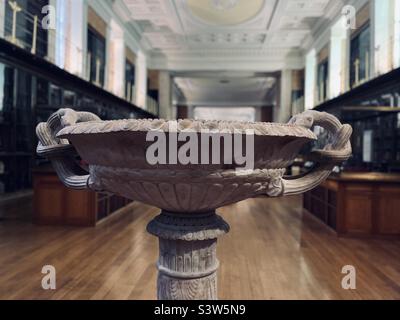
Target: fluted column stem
[187,264]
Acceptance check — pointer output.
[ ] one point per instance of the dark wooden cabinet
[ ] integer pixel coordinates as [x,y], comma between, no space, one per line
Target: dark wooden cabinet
[358,204]
[54,204]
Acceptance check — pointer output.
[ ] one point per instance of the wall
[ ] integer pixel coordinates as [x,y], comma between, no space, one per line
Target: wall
[67,44]
[385,47]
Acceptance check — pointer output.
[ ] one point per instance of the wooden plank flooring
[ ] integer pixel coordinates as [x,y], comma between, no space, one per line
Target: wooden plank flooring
[274,251]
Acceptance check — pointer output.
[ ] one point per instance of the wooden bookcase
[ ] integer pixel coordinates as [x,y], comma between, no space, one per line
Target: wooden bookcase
[364,204]
[54,204]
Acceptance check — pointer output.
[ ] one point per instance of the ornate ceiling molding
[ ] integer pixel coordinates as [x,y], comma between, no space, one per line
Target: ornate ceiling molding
[255,20]
[273,37]
[224,5]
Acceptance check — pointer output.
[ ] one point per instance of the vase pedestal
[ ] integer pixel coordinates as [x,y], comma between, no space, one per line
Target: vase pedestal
[187,263]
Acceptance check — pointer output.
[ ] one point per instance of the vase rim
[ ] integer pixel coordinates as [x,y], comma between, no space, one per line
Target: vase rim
[187,125]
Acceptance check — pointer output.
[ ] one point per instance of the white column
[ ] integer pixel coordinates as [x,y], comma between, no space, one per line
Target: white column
[396,37]
[383,35]
[76,38]
[346,62]
[372,47]
[285,101]
[165,95]
[107,70]
[190,111]
[337,59]
[141,80]
[2,17]
[116,60]
[310,81]
[53,34]
[59,36]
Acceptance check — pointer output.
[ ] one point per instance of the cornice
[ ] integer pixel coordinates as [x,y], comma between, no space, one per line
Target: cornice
[212,103]
[265,65]
[118,10]
[320,34]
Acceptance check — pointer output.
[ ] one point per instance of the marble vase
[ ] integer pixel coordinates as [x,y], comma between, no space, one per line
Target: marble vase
[114,153]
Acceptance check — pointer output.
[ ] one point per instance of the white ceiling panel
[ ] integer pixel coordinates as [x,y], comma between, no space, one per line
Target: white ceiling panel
[245,25]
[220,35]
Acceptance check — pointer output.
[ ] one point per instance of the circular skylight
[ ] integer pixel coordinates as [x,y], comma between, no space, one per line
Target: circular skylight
[225,12]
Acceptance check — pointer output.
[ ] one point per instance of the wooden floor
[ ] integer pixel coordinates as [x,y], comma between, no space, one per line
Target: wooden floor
[274,251]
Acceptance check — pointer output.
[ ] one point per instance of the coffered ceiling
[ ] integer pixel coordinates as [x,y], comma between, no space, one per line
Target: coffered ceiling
[226,52]
[227,34]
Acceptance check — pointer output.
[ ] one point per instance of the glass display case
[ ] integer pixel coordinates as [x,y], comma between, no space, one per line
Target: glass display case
[96,57]
[27,99]
[129,80]
[322,80]
[360,57]
[373,110]
[28,31]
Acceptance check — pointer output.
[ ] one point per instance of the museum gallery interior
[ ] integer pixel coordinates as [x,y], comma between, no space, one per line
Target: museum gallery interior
[200,149]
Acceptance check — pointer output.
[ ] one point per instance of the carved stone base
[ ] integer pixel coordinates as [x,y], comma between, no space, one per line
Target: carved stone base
[187,263]
[204,288]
